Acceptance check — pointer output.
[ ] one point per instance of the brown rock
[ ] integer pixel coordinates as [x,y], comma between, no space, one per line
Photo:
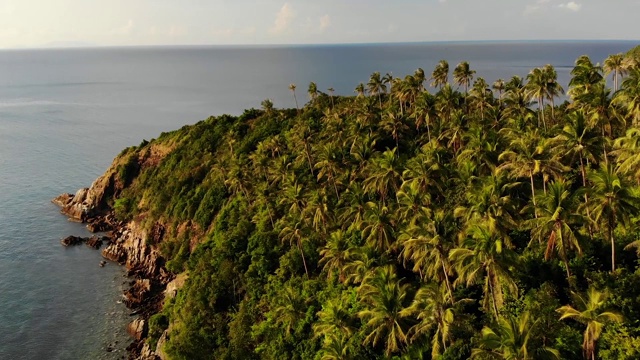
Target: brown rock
[72,240]
[137,329]
[95,242]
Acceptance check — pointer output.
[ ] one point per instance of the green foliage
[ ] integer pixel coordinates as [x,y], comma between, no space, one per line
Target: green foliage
[403,224]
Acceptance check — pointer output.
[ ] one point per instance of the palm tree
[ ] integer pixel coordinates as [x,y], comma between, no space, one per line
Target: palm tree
[383,296]
[334,318]
[294,234]
[510,339]
[331,91]
[440,75]
[537,90]
[360,90]
[419,78]
[335,254]
[552,89]
[590,312]
[387,79]
[385,175]
[557,222]
[627,153]
[499,86]
[485,257]
[613,202]
[463,75]
[615,64]
[376,86]
[336,347]
[378,227]
[290,308]
[629,95]
[312,91]
[267,106]
[292,87]
[585,75]
[434,309]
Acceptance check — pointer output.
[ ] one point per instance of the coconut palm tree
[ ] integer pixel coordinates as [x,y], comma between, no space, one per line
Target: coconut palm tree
[558,221]
[294,233]
[440,75]
[335,254]
[292,87]
[613,202]
[313,91]
[434,309]
[590,312]
[267,106]
[485,257]
[499,86]
[552,89]
[629,96]
[376,86]
[360,90]
[463,75]
[536,90]
[614,64]
[383,296]
[331,91]
[510,339]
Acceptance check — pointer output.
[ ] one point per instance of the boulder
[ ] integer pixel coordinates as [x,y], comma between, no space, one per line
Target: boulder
[137,329]
[137,294]
[95,242]
[72,240]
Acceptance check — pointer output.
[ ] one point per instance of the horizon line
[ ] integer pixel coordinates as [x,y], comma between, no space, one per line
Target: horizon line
[283,45]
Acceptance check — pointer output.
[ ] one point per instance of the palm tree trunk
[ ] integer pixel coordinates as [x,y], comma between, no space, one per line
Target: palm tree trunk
[533,195]
[613,245]
[296,100]
[446,279]
[541,109]
[304,262]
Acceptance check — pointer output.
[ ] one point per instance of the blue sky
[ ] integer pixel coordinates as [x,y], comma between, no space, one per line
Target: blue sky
[38,23]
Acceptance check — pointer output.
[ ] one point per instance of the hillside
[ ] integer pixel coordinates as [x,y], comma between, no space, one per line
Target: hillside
[397,223]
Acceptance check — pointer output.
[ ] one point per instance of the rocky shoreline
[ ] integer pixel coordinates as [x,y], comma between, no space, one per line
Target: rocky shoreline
[126,244]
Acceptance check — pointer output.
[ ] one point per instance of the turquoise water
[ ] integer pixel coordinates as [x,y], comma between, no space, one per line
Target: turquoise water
[64,115]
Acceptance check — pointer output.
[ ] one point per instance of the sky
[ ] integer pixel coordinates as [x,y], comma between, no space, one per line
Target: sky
[59,23]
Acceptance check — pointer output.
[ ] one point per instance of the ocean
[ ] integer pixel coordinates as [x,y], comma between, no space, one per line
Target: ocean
[66,113]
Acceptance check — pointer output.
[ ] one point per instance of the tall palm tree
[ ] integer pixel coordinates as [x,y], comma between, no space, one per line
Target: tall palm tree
[510,339]
[613,202]
[463,75]
[499,86]
[552,89]
[335,254]
[485,257]
[294,234]
[615,64]
[292,87]
[558,221]
[584,76]
[331,91]
[629,96]
[434,309]
[376,86]
[383,296]
[590,312]
[627,154]
[360,90]
[537,90]
[440,75]
[313,91]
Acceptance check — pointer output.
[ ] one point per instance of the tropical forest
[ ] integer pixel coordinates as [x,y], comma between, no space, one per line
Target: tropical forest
[437,215]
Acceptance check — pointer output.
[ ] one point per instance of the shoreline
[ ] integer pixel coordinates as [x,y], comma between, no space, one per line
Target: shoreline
[125,245]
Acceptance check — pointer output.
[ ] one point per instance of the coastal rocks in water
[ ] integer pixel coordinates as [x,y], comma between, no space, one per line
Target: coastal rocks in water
[129,247]
[72,240]
[96,242]
[137,329]
[137,294]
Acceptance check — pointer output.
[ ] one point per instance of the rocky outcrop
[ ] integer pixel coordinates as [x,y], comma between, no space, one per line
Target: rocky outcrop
[127,244]
[72,240]
[138,329]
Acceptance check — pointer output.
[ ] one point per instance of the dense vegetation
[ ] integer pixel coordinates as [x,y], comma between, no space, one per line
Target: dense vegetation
[474,220]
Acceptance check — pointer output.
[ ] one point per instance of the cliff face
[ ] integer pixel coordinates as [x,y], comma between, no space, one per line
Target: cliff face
[127,243]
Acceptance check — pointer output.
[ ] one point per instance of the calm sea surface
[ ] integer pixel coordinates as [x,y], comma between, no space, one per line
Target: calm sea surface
[64,115]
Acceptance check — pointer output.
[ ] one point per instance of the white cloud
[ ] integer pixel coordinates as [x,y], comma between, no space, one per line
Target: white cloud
[325,22]
[571,5]
[283,19]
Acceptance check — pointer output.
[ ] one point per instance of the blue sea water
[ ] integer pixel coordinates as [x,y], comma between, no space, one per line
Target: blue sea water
[64,115]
